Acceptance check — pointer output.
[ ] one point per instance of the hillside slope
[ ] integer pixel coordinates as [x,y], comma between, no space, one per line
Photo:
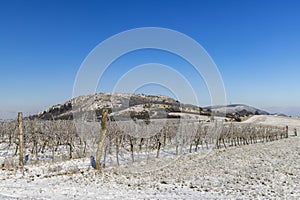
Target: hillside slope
[241,109]
[121,106]
[292,123]
[140,106]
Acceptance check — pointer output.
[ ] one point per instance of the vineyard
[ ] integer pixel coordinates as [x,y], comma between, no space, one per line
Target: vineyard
[125,141]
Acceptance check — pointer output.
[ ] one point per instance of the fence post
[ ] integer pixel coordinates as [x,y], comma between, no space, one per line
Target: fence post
[20,130]
[286,132]
[101,139]
[295,132]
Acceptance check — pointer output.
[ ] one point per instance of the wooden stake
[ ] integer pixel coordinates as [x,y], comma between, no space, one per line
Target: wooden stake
[20,139]
[101,139]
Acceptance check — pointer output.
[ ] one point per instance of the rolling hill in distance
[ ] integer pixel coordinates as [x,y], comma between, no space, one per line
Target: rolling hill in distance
[140,106]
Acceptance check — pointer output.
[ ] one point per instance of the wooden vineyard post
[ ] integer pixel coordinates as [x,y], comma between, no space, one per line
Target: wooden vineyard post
[101,139]
[20,138]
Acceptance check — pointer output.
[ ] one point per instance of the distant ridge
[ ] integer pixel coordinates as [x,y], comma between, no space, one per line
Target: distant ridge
[241,109]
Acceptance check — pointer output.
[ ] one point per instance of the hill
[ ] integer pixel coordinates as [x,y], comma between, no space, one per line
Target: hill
[121,106]
[140,106]
[271,120]
[241,109]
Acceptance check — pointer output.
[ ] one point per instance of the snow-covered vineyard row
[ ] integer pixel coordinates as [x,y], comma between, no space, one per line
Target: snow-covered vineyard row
[126,141]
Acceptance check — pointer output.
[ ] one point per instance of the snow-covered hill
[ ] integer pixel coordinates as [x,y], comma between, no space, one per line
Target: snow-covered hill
[271,120]
[120,106]
[238,108]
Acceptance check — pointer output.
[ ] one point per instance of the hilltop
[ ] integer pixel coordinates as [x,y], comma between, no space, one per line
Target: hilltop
[141,106]
[121,106]
[240,109]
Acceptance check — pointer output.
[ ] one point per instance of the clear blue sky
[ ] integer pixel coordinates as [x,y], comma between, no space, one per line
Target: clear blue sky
[254,43]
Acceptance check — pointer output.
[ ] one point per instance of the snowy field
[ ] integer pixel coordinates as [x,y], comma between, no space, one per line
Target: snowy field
[258,171]
[292,123]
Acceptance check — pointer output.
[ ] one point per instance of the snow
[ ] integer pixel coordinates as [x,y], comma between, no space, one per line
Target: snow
[258,171]
[292,123]
[235,108]
[264,170]
[197,117]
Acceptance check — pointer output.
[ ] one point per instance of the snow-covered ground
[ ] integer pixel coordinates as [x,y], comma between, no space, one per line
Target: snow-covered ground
[258,171]
[292,123]
[264,170]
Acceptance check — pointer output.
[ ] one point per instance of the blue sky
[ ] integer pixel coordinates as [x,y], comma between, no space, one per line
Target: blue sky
[255,44]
